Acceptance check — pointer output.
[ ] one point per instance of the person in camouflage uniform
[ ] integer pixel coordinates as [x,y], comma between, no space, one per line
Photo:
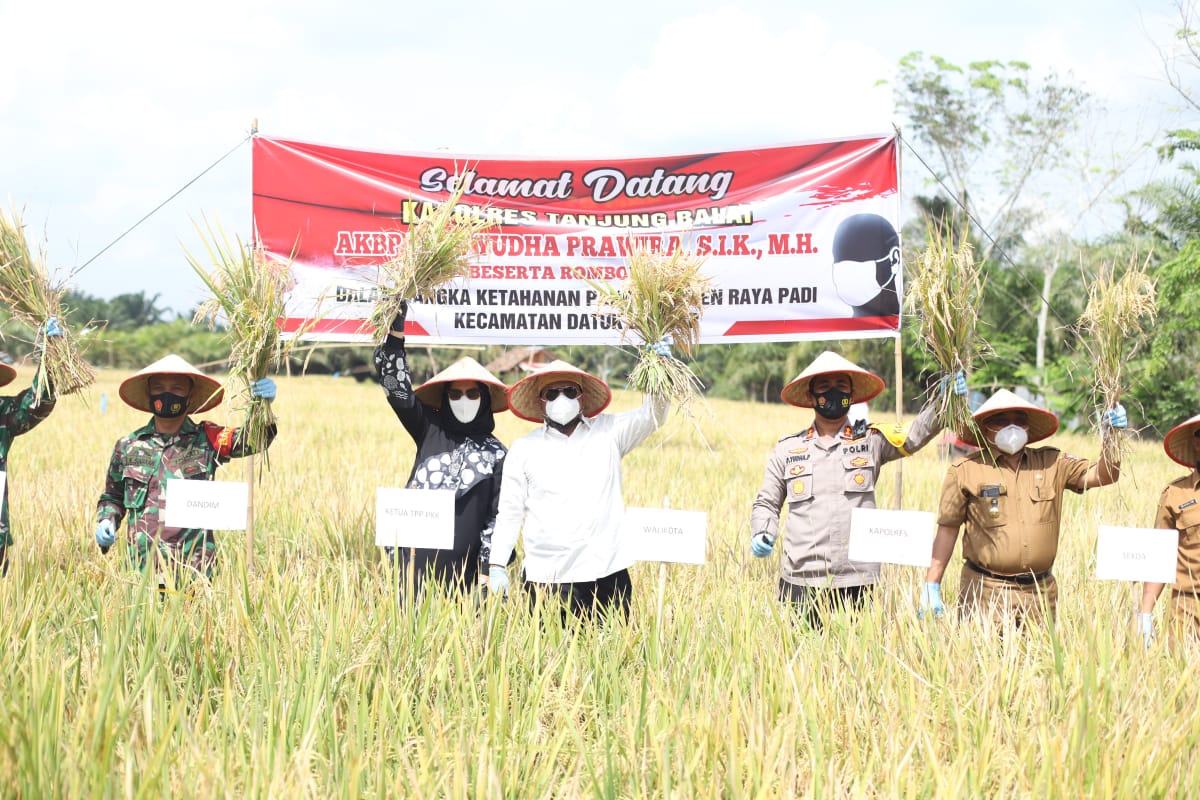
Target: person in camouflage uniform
[18,414]
[170,446]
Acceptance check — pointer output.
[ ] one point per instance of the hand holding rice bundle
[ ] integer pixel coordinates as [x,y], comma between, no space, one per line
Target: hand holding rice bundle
[435,251]
[248,293]
[944,294]
[26,290]
[661,304]
[1113,327]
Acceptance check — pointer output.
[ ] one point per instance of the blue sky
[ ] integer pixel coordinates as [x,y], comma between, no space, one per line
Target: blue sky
[108,108]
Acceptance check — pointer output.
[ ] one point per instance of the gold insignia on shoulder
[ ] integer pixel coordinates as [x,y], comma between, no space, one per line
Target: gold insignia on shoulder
[797,470]
[858,461]
[859,479]
[798,487]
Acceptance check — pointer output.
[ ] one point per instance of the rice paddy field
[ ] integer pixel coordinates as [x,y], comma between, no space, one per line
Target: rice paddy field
[300,675]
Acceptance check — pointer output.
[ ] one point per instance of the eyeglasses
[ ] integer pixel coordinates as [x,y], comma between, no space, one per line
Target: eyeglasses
[569,392]
[457,394]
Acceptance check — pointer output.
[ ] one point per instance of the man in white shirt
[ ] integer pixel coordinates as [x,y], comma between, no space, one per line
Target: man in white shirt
[562,488]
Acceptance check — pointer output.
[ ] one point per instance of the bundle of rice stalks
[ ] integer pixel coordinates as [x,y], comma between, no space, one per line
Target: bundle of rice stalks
[945,294]
[1113,327]
[26,290]
[435,251]
[248,294]
[662,298]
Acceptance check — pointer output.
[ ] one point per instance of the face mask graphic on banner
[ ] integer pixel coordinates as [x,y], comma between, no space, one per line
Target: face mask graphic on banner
[866,260]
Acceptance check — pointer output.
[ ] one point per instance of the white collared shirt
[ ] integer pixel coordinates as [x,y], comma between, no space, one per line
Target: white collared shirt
[564,494]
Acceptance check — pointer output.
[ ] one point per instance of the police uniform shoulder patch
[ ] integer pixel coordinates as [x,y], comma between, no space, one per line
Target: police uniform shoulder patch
[806,433]
[856,431]
[896,434]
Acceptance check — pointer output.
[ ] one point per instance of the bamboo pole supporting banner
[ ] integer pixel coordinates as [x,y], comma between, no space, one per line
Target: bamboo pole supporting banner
[250,459]
[899,419]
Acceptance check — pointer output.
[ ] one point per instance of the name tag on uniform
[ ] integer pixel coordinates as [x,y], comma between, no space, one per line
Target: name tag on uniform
[421,518]
[880,536]
[213,505]
[665,534]
[1136,554]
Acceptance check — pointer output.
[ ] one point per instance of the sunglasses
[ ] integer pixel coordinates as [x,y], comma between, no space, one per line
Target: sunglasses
[569,392]
[457,394]
[1004,420]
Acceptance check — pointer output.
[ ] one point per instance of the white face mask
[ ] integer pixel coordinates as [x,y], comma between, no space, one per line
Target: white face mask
[562,409]
[1011,438]
[855,282]
[464,409]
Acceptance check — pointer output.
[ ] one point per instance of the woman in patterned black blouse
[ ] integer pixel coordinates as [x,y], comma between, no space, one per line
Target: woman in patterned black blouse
[450,418]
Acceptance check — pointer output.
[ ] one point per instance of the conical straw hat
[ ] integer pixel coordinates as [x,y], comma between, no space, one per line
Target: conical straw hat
[524,396]
[7,374]
[1042,423]
[465,369]
[866,384]
[1180,442]
[206,391]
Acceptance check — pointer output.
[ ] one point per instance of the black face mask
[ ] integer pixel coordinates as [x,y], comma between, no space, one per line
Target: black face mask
[168,405]
[832,403]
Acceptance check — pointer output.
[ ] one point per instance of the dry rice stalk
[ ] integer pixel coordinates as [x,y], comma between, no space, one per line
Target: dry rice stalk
[945,294]
[26,290]
[663,297]
[1113,327]
[435,251]
[248,293]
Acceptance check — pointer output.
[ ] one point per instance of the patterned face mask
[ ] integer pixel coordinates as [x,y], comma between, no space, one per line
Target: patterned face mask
[168,405]
[832,403]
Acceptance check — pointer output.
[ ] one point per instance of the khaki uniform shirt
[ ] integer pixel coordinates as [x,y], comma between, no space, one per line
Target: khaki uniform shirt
[1012,516]
[1179,508]
[821,484]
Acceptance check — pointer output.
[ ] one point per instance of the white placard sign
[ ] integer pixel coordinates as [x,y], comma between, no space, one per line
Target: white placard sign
[1136,554]
[414,518]
[884,536]
[3,481]
[219,505]
[664,534]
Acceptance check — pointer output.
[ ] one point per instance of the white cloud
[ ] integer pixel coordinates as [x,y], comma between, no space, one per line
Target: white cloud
[731,75]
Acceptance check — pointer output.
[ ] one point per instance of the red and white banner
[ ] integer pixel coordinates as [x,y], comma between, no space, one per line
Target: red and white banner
[801,241]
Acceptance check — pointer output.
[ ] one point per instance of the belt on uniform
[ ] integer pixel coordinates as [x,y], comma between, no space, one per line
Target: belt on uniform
[1024,578]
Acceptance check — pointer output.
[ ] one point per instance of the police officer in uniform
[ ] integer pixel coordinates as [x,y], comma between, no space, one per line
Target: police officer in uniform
[820,476]
[1179,508]
[1008,496]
